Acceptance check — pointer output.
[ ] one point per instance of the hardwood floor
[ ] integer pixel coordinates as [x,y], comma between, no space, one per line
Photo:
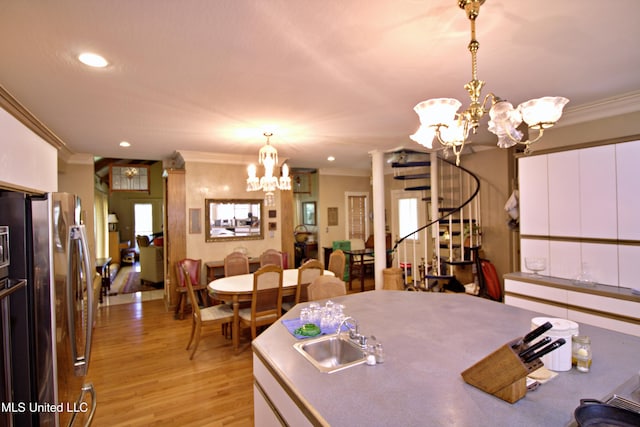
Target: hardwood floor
[143,376]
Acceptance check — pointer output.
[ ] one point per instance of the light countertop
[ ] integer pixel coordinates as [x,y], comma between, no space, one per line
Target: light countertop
[429,339]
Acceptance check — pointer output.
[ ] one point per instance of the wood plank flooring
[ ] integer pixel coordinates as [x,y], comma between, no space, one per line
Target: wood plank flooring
[143,376]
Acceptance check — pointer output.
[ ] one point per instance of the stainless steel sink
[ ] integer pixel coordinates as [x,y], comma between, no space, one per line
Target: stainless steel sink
[330,353]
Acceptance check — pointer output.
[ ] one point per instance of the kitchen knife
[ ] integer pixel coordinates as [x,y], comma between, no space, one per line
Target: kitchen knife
[524,353]
[533,334]
[537,332]
[548,349]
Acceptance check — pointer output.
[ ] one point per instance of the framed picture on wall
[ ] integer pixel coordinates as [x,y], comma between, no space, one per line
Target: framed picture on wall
[332,216]
[194,221]
[309,213]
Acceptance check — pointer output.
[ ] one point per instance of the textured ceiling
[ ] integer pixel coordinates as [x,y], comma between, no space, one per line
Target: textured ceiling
[331,77]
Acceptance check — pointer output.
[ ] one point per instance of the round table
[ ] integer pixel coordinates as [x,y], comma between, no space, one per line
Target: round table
[237,289]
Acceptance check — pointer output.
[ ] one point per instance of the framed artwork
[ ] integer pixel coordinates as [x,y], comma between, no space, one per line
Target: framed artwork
[309,213]
[194,221]
[273,213]
[273,226]
[332,216]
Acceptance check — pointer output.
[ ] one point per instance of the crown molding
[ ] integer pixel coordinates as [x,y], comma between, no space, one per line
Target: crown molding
[608,107]
[24,116]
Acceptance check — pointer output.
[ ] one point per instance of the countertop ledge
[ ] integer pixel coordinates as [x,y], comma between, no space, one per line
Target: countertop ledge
[557,282]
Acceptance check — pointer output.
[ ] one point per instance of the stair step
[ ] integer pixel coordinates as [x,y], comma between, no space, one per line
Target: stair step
[425,175]
[411,164]
[418,188]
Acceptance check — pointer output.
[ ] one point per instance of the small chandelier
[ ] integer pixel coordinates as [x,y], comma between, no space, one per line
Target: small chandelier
[268,157]
[131,172]
[439,117]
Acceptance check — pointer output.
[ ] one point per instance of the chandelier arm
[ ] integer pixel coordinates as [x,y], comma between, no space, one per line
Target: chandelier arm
[494,98]
[531,141]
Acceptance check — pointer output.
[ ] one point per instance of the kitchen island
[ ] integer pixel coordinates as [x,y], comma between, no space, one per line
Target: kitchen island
[429,339]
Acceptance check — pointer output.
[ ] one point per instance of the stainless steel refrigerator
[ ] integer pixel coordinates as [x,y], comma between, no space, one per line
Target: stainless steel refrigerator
[47,322]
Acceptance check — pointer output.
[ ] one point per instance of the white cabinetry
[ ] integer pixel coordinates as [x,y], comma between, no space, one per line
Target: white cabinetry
[628,177]
[274,406]
[598,199]
[28,162]
[622,315]
[564,193]
[534,200]
[578,207]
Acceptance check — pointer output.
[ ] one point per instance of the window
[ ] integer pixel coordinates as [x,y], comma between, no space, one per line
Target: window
[357,219]
[407,216]
[143,219]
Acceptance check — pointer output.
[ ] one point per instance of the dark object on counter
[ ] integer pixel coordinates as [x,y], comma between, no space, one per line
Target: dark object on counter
[548,349]
[534,334]
[592,412]
[524,353]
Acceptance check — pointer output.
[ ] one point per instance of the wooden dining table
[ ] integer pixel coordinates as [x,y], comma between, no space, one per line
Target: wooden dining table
[236,289]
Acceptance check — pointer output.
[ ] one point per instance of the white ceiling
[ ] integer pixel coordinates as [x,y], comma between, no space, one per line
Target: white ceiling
[330,77]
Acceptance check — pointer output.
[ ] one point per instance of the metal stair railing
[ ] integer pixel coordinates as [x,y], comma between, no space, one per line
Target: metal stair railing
[448,232]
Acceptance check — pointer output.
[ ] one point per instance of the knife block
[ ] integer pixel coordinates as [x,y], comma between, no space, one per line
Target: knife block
[502,373]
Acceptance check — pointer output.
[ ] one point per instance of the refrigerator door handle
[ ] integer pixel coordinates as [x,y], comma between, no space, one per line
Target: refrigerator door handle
[86,388]
[75,290]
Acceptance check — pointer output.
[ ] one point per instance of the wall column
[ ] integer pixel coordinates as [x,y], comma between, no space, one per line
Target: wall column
[379,232]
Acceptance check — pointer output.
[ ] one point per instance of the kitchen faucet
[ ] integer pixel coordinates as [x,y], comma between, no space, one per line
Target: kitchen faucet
[354,331]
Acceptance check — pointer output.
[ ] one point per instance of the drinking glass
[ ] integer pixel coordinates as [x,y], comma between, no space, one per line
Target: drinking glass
[535,264]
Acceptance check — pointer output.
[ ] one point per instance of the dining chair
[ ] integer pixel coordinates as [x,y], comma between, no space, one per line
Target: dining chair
[337,263]
[193,267]
[306,273]
[266,299]
[324,287]
[236,263]
[219,314]
[271,256]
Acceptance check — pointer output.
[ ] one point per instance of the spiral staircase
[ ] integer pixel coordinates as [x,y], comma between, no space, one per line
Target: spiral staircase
[447,242]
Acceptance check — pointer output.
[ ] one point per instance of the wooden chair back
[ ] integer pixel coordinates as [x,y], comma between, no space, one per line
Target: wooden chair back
[192,267]
[324,287]
[306,274]
[266,299]
[337,263]
[236,263]
[271,256]
[186,278]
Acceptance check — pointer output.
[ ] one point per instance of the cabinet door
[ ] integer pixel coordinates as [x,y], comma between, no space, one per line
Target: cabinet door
[628,176]
[534,201]
[628,258]
[598,217]
[564,193]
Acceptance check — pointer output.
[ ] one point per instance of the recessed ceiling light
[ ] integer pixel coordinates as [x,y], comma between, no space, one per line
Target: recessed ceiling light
[331,158]
[93,60]
[125,144]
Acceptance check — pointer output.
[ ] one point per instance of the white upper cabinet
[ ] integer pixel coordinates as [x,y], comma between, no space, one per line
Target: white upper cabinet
[598,199]
[27,162]
[564,193]
[628,176]
[534,201]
